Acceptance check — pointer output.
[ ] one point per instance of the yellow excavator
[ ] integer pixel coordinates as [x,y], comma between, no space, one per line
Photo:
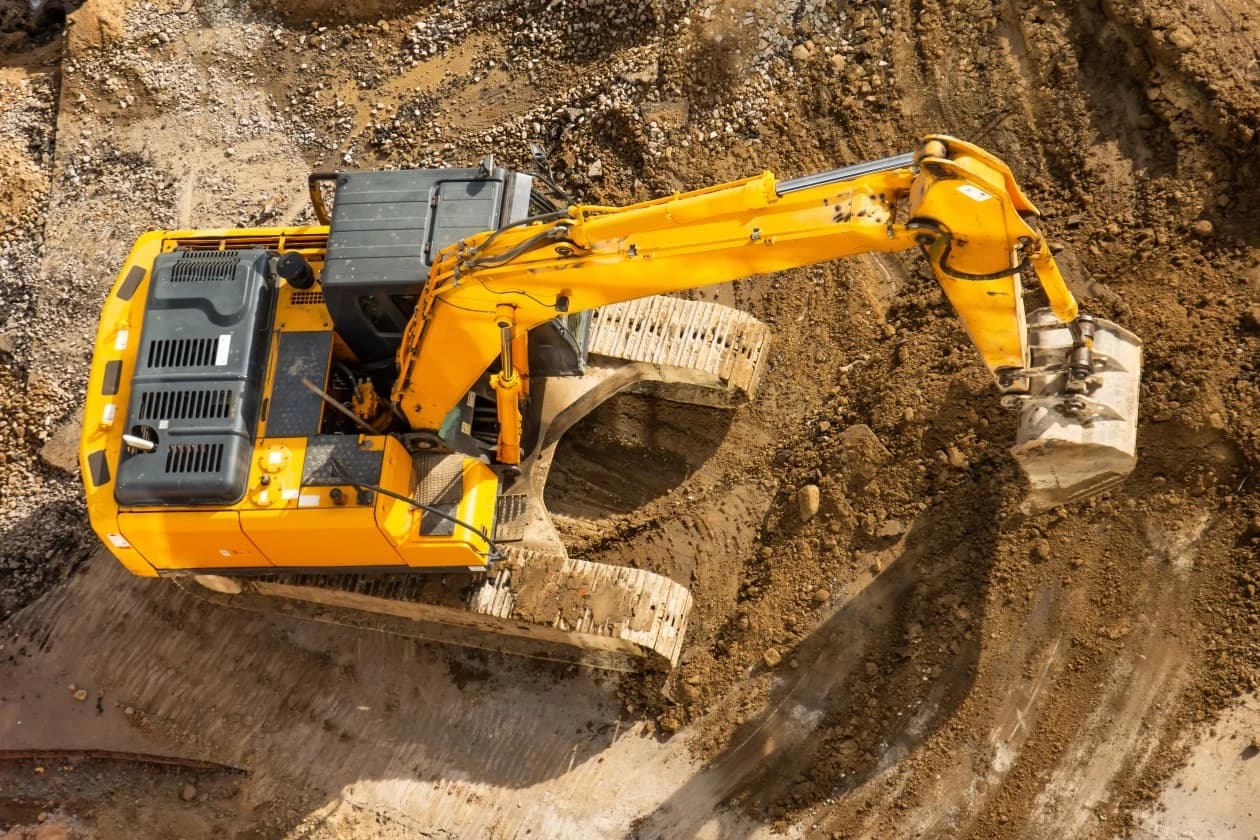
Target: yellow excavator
[354,421]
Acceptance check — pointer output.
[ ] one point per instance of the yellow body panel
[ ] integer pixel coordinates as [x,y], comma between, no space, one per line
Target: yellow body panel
[480,493]
[279,523]
[210,539]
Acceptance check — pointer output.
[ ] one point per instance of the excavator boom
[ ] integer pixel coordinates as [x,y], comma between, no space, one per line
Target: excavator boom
[953,201]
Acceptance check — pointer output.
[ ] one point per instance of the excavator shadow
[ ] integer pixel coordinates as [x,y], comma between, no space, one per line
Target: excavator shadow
[874,680]
[629,451]
[309,710]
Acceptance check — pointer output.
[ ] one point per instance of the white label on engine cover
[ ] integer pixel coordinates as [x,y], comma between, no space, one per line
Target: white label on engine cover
[308,500]
[120,340]
[974,192]
[107,414]
[118,541]
[289,495]
[225,344]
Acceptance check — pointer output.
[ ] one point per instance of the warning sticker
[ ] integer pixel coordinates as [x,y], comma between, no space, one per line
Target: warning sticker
[974,192]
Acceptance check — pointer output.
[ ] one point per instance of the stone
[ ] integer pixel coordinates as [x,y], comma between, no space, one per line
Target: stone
[772,657]
[956,458]
[1202,228]
[1182,37]
[62,449]
[55,830]
[596,169]
[808,499]
[822,596]
[80,695]
[892,528]
[861,454]
[1041,551]
[1251,318]
[189,793]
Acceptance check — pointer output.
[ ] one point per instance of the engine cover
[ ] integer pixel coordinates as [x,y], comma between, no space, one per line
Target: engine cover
[199,377]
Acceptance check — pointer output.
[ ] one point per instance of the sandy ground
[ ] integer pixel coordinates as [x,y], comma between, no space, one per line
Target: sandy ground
[946,665]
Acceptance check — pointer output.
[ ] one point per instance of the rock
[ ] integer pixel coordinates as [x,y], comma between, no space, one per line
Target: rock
[645,76]
[1251,318]
[596,169]
[956,458]
[822,596]
[772,657]
[800,52]
[62,449]
[1202,228]
[1182,37]
[1255,741]
[80,695]
[891,528]
[189,793]
[861,454]
[56,830]
[8,342]
[838,62]
[129,711]
[807,501]
[1041,551]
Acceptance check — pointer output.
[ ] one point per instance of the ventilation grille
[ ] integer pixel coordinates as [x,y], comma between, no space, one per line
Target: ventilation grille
[182,352]
[306,298]
[194,458]
[188,404]
[205,266]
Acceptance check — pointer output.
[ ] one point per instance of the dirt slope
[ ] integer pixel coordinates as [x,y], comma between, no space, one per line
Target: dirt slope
[942,664]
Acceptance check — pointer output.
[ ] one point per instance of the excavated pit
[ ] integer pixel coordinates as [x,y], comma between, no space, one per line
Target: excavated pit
[629,452]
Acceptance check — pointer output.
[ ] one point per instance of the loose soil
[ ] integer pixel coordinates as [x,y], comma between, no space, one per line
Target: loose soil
[917,659]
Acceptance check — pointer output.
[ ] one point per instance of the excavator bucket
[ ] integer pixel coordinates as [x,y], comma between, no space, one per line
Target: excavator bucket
[1074,445]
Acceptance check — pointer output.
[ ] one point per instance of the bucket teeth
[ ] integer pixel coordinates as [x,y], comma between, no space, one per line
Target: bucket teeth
[1072,445]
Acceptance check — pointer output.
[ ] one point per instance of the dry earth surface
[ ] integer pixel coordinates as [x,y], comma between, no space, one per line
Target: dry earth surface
[917,659]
